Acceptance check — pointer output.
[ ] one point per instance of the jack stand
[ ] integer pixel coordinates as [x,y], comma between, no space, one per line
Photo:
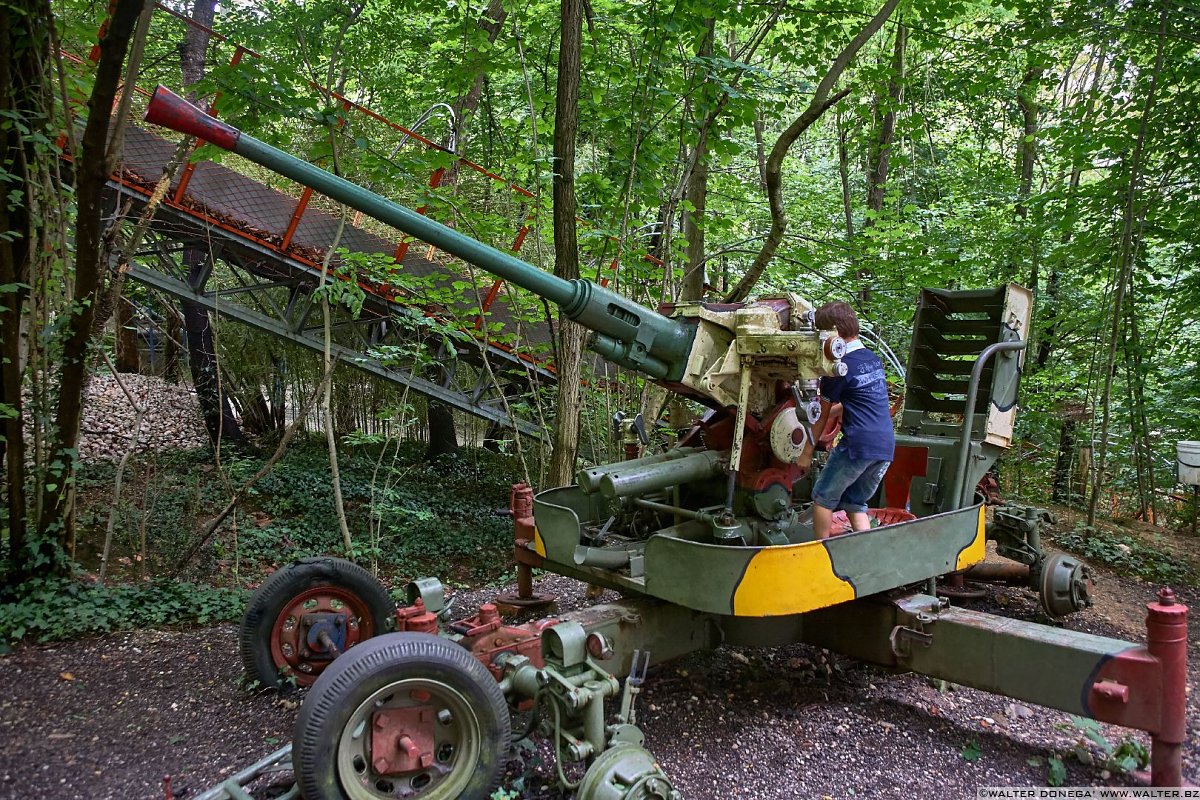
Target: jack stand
[524,533]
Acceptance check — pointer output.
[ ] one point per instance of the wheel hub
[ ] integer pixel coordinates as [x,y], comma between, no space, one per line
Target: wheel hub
[315,627]
[1065,585]
[413,738]
[324,635]
[402,740]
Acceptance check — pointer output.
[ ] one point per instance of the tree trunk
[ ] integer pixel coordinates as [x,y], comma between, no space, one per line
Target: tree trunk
[443,438]
[844,177]
[1068,435]
[1047,342]
[566,246]
[24,26]
[219,419]
[697,197]
[760,149]
[1139,425]
[1027,99]
[1124,266]
[93,166]
[491,21]
[879,157]
[127,348]
[443,433]
[172,334]
[1061,487]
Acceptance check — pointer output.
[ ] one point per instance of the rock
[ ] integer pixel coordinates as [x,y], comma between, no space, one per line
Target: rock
[1017,711]
[172,419]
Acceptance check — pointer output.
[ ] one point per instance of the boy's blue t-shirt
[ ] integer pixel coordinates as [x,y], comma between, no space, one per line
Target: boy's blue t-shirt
[866,413]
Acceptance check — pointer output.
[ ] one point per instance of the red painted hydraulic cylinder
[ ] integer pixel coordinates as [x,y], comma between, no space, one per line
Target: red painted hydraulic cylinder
[1166,640]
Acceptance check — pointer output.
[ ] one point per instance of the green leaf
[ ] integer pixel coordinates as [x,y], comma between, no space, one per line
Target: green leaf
[971,751]
[1056,774]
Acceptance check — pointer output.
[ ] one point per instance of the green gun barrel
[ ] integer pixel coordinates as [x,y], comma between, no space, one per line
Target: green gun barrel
[624,332]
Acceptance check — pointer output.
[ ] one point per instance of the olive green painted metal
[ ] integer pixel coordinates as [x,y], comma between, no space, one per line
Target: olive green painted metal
[626,772]
[578,676]
[665,630]
[723,501]
[1040,664]
[959,487]
[758,580]
[233,788]
[965,358]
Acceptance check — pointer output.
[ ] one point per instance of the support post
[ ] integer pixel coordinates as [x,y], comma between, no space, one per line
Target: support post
[520,503]
[1166,639]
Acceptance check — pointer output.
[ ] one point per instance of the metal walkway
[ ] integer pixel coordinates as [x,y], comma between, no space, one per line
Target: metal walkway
[250,276]
[451,334]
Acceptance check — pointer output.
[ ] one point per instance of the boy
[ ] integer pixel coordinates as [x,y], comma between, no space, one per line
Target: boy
[856,466]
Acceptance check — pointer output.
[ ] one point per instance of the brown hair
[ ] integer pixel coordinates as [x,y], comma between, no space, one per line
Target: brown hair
[837,315]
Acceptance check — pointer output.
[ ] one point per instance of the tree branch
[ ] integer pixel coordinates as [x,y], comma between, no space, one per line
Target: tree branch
[821,102]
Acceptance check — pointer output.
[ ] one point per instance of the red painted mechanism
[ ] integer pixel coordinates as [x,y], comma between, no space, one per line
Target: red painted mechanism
[1146,688]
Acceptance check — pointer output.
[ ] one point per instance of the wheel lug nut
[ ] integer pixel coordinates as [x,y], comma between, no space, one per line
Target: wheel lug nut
[445,717]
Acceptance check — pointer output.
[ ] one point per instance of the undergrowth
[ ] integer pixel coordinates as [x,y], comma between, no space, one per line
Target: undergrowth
[409,517]
[431,519]
[1126,554]
[49,609]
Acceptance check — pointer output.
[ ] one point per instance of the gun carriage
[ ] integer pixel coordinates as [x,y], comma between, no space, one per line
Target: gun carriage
[710,542]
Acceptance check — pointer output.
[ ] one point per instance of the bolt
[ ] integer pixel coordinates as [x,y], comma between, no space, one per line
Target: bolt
[409,747]
[380,722]
[445,717]
[381,764]
[1166,597]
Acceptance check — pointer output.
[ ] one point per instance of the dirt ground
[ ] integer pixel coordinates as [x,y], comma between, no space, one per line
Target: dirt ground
[108,718]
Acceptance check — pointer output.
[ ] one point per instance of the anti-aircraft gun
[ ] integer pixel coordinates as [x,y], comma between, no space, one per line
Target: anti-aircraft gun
[715,527]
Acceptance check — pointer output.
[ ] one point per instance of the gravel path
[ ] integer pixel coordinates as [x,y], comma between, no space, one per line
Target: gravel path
[109,717]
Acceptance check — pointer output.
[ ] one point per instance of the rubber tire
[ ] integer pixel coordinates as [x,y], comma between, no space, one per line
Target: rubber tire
[277,591]
[358,674]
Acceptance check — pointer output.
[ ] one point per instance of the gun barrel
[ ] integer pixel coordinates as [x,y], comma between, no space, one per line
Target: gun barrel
[626,333]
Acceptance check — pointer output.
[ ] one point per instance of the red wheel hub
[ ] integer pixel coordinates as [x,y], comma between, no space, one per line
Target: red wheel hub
[314,627]
[403,740]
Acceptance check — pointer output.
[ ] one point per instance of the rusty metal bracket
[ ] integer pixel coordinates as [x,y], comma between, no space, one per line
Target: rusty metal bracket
[903,638]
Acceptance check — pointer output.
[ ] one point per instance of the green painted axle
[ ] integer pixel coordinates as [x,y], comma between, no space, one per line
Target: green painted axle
[624,332]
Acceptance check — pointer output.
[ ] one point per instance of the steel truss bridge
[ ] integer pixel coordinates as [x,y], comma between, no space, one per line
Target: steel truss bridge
[260,250]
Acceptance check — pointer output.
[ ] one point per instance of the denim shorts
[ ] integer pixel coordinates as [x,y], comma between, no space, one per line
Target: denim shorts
[847,482]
